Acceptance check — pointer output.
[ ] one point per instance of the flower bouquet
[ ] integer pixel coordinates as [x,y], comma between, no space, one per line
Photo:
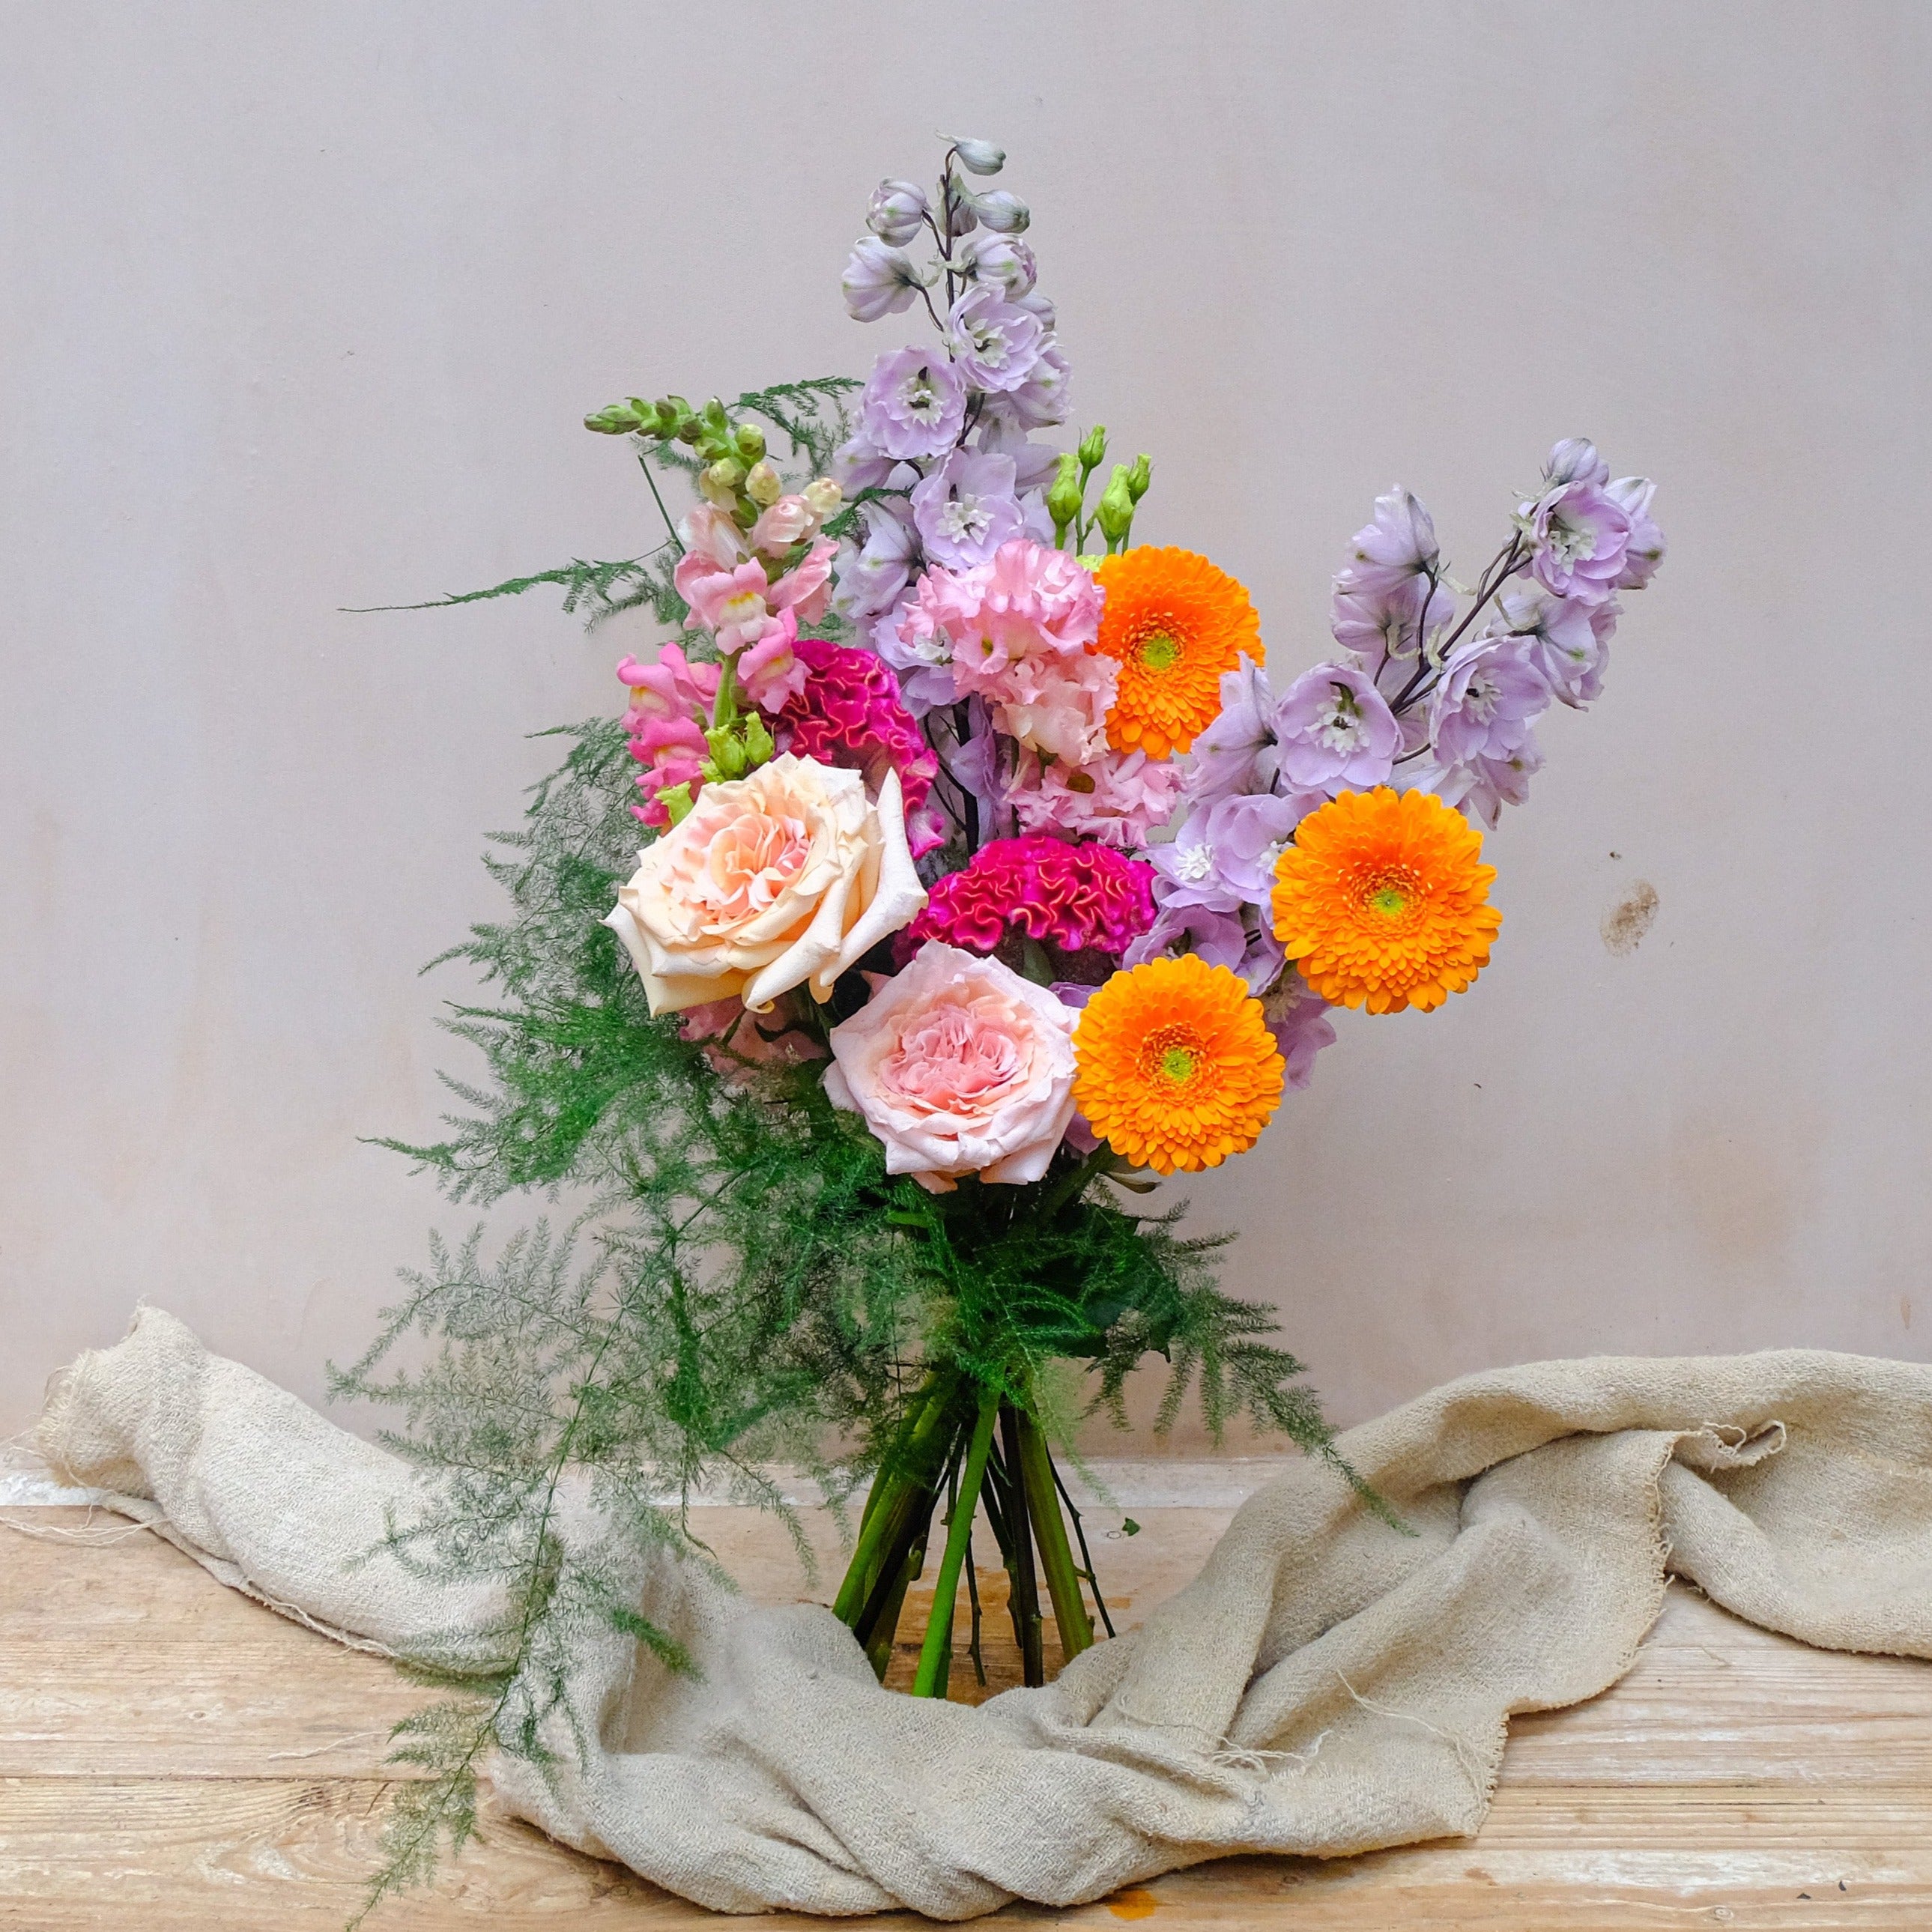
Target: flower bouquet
[987,881]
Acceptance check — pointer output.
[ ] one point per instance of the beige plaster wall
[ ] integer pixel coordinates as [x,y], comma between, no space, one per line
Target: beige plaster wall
[301,305]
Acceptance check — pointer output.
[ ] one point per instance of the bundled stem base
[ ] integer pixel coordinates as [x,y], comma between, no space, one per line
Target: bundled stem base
[963,1450]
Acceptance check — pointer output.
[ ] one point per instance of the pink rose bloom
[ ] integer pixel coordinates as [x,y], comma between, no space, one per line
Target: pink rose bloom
[1117,797]
[732,605]
[959,1067]
[788,876]
[1019,631]
[772,672]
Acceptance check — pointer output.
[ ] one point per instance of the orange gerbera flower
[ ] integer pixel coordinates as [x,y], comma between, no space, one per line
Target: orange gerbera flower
[1175,624]
[1176,1067]
[1381,902]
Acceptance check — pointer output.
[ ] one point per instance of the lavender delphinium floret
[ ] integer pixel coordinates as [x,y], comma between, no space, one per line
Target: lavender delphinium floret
[879,280]
[1336,731]
[1490,696]
[914,404]
[996,343]
[966,509]
[1578,532]
[1223,857]
[1563,643]
[1386,623]
[1632,495]
[1400,544]
[1236,752]
[874,578]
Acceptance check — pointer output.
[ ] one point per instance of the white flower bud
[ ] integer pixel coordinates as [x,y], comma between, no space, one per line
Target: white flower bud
[1005,213]
[824,496]
[979,158]
[897,209]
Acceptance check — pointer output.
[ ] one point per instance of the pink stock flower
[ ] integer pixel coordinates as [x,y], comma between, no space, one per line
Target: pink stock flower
[1018,630]
[846,713]
[732,605]
[771,672]
[1077,898]
[959,1065]
[1117,797]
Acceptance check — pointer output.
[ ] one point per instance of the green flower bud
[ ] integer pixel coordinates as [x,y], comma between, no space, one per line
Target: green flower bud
[721,482]
[713,417]
[1117,508]
[677,801]
[688,429]
[1138,477]
[619,419]
[728,751]
[1063,498]
[1093,451]
[762,485]
[759,746]
[750,441]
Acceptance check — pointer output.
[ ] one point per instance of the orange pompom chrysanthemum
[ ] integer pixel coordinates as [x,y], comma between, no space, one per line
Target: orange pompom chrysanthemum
[1176,1066]
[1175,624]
[1382,903]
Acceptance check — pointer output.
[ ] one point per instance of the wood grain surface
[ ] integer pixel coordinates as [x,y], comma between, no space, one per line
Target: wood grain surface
[174,1758]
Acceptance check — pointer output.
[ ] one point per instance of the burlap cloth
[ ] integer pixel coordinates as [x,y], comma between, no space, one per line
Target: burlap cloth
[1324,1686]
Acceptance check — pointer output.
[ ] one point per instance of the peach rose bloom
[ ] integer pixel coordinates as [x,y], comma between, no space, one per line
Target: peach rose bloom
[785,877]
[960,1066]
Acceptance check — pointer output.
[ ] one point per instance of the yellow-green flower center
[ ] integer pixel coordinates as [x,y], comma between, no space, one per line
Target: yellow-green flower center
[1159,652]
[1390,901]
[1177,1064]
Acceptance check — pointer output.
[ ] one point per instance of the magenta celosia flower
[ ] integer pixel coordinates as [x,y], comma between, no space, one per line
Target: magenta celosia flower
[1117,797]
[1077,898]
[1334,729]
[848,714]
[914,404]
[1018,631]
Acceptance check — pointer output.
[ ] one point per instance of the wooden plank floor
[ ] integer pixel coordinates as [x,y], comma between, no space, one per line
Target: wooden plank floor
[174,1758]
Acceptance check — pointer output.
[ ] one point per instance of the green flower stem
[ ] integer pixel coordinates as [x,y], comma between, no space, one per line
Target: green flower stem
[937,1651]
[1049,1530]
[886,1512]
